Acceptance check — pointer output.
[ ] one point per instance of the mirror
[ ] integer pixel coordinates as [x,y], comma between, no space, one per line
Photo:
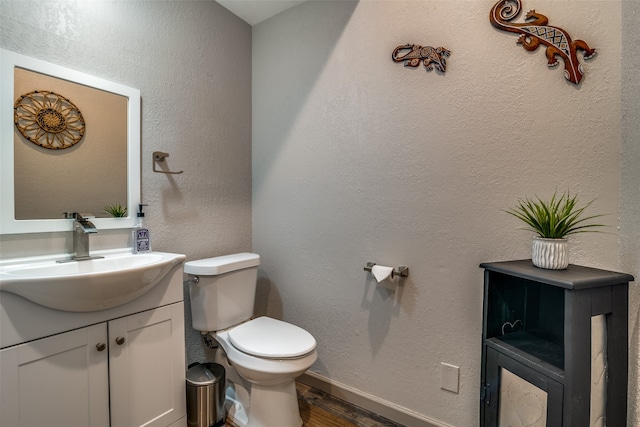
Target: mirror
[101,168]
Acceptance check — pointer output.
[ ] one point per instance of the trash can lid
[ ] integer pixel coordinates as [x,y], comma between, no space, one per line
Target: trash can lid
[205,374]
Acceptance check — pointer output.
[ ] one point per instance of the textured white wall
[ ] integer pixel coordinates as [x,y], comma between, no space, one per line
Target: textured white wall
[356,159]
[191,61]
[630,196]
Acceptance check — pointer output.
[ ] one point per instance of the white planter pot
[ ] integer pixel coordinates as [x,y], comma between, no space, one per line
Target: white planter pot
[552,254]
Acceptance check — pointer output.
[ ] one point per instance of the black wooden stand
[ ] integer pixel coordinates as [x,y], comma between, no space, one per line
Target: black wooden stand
[537,325]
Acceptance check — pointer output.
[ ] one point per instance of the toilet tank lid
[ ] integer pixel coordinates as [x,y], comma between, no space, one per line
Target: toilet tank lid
[222,264]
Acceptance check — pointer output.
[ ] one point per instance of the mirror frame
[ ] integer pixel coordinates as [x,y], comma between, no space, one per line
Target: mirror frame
[8,224]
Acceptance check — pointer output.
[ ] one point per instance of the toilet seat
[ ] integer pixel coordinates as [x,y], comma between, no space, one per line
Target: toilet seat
[271,339]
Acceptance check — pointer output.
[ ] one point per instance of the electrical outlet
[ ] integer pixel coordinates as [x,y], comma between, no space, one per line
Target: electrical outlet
[449,377]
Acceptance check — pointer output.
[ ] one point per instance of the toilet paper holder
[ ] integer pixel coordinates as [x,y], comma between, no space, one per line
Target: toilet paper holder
[401,271]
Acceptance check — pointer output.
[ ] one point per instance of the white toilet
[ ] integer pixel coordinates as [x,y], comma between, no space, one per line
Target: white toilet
[268,353]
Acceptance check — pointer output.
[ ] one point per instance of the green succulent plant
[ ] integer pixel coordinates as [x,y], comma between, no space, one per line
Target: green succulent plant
[555,218]
[116,210]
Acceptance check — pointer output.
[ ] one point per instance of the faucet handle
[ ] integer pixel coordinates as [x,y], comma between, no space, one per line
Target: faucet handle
[78,216]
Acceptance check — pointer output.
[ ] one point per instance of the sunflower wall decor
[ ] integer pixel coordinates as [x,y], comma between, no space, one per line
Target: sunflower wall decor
[48,119]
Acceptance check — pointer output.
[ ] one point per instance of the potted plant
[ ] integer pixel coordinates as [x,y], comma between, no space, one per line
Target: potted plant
[553,220]
[116,210]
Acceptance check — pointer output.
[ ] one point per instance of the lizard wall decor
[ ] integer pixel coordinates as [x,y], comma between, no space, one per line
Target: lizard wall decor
[430,57]
[535,31]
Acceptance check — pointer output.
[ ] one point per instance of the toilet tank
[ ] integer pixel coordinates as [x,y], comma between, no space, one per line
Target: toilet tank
[224,293]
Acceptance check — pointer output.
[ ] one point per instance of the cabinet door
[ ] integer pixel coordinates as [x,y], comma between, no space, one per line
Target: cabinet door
[147,368]
[59,381]
[519,396]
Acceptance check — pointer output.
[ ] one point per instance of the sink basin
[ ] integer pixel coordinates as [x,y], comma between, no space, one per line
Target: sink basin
[93,285]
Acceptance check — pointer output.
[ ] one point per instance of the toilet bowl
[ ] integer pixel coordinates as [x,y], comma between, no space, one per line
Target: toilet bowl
[266,354]
[273,399]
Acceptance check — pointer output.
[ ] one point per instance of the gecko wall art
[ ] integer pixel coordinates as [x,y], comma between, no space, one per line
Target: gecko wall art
[413,54]
[535,31]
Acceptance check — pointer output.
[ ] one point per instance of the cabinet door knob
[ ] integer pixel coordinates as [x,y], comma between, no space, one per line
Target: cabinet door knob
[120,340]
[101,346]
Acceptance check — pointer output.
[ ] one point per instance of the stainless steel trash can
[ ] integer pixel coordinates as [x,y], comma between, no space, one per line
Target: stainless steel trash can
[205,395]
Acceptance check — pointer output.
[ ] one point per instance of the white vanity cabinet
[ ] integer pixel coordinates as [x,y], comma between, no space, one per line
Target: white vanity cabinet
[147,368]
[123,367]
[61,380]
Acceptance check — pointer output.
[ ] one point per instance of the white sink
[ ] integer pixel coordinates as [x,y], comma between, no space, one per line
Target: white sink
[92,285]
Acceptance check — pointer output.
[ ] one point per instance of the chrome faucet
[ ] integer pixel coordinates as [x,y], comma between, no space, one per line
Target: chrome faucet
[82,228]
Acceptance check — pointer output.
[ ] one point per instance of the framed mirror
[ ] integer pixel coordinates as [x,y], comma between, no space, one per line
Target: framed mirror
[44,170]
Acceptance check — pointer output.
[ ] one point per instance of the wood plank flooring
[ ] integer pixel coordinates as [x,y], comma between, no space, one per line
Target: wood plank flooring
[319,409]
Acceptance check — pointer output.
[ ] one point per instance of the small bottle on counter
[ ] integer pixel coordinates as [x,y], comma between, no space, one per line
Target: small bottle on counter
[141,234]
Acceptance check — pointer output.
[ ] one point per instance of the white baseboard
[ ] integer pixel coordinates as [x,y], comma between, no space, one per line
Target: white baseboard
[369,402]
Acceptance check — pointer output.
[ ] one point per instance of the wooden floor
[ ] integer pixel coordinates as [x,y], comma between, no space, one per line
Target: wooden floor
[319,409]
